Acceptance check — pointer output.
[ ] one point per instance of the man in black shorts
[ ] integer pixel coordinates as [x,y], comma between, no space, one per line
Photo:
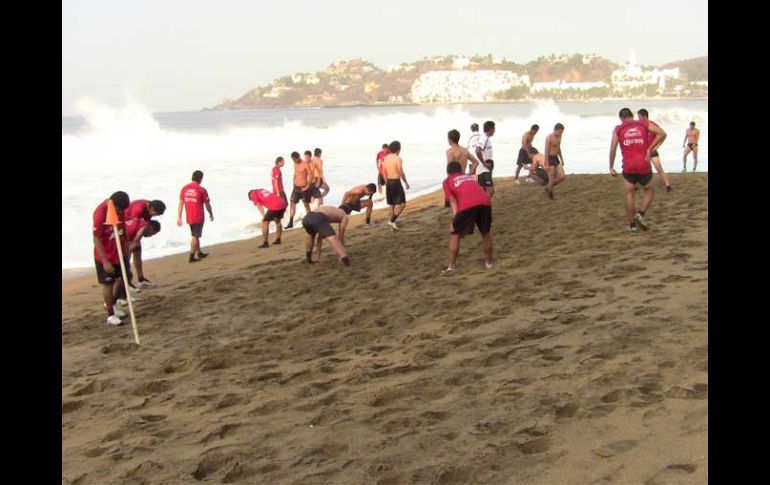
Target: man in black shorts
[302,181]
[276,208]
[352,201]
[393,169]
[319,222]
[526,151]
[537,171]
[471,206]
[554,158]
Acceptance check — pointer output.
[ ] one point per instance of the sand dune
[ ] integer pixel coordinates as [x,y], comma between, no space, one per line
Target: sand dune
[582,357]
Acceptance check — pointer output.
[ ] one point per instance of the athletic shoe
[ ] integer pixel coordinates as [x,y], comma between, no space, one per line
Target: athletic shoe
[517,182]
[116,310]
[641,222]
[113,320]
[202,255]
[393,226]
[489,265]
[668,188]
[277,241]
[291,224]
[144,283]
[632,228]
[370,225]
[123,302]
[448,271]
[263,245]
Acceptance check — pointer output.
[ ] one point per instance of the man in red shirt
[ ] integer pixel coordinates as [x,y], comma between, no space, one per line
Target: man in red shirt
[276,207]
[380,174]
[470,205]
[136,229]
[106,256]
[278,180]
[143,209]
[192,198]
[633,137]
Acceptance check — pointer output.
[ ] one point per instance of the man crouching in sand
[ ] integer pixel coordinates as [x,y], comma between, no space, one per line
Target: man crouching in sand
[320,222]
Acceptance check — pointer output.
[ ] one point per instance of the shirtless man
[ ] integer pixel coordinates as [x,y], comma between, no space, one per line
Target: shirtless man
[654,157]
[552,154]
[320,222]
[394,191]
[459,154]
[691,136]
[526,151]
[301,191]
[351,201]
[320,187]
[538,169]
[380,177]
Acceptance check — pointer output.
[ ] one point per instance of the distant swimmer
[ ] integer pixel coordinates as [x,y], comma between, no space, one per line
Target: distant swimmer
[276,208]
[106,256]
[691,136]
[471,206]
[380,176]
[654,156]
[635,146]
[320,188]
[485,156]
[136,229]
[301,190]
[537,170]
[555,159]
[459,154]
[526,151]
[192,198]
[143,209]
[277,178]
[394,174]
[319,223]
[351,201]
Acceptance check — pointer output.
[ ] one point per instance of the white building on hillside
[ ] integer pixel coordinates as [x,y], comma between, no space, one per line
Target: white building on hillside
[464,86]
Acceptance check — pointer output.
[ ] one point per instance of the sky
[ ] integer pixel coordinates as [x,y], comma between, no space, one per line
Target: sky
[184,55]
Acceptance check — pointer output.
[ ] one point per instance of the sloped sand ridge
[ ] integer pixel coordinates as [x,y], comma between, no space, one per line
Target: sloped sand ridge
[581,357]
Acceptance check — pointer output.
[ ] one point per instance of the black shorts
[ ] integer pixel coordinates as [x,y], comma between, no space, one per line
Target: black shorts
[274,215]
[106,278]
[523,158]
[283,196]
[317,223]
[691,145]
[479,215]
[553,160]
[485,179]
[298,194]
[394,192]
[636,178]
[540,172]
[355,206]
[196,230]
[315,192]
[654,155]
[380,179]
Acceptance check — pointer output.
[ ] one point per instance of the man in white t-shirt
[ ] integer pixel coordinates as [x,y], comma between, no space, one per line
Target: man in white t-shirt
[484,154]
[473,141]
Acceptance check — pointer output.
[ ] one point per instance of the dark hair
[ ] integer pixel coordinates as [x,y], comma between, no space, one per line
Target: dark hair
[384,145]
[279,159]
[558,126]
[155,225]
[692,123]
[535,127]
[454,135]
[308,152]
[371,187]
[475,127]
[197,176]
[488,125]
[294,155]
[643,112]
[317,152]
[394,146]
[158,206]
[346,208]
[121,200]
[625,113]
[454,167]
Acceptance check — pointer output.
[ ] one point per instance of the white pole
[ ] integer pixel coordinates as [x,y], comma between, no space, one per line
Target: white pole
[125,283]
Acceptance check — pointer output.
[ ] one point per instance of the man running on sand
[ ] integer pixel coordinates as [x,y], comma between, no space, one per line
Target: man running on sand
[319,222]
[691,136]
[301,190]
[470,206]
[276,208]
[554,159]
[394,173]
[380,176]
[633,137]
[654,157]
[526,151]
[192,198]
[351,201]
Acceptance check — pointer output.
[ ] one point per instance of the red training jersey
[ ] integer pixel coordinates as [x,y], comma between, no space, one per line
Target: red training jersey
[194,196]
[106,234]
[267,199]
[277,180]
[633,137]
[138,209]
[466,191]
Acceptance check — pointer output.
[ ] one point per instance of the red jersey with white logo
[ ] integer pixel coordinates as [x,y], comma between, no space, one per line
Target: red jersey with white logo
[133,226]
[194,196]
[466,191]
[106,234]
[634,141]
[277,180]
[138,209]
[267,199]
[380,158]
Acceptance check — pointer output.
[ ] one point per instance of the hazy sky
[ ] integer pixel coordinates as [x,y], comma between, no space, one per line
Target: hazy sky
[181,55]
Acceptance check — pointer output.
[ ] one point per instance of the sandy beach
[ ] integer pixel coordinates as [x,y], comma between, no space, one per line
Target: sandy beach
[580,358]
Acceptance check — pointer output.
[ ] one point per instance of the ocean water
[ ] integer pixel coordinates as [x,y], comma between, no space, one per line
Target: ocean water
[152,155]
